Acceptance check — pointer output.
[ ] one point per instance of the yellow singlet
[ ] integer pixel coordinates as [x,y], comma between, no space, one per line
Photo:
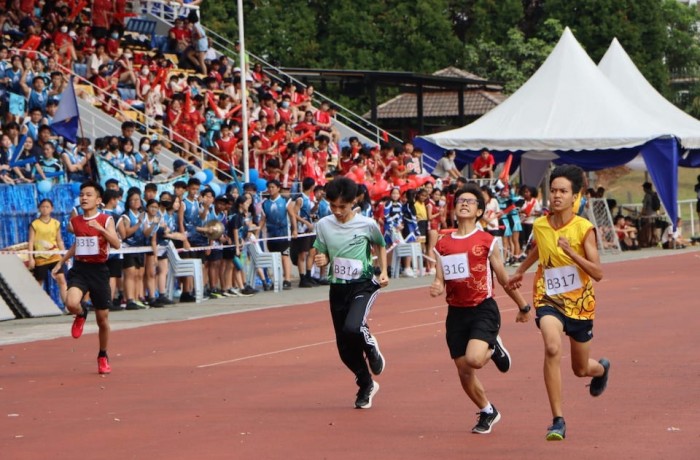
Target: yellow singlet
[46,239]
[559,282]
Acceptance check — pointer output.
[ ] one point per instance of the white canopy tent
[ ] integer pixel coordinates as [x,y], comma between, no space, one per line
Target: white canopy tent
[570,108]
[567,105]
[621,71]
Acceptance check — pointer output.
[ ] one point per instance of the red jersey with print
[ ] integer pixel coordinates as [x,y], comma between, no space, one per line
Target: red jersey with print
[466,267]
[90,245]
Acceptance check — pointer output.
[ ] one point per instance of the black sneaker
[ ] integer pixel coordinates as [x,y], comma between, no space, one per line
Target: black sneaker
[248,291]
[598,384]
[321,281]
[365,395]
[500,356]
[305,282]
[286,285]
[557,432]
[131,305]
[376,360]
[486,421]
[187,297]
[156,303]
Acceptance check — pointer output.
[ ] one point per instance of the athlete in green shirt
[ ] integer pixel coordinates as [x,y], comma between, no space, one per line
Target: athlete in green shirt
[344,240]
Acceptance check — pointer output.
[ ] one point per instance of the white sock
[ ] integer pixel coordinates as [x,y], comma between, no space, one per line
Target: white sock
[488,409]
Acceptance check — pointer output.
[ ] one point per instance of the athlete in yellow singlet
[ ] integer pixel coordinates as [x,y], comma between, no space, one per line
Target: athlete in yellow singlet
[45,235]
[567,251]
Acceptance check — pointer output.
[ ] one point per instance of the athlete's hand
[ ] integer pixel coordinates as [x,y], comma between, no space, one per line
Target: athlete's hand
[383,279]
[564,245]
[31,263]
[56,270]
[321,260]
[515,281]
[437,288]
[523,317]
[96,225]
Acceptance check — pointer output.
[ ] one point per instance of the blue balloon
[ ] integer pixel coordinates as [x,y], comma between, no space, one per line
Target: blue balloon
[216,188]
[209,176]
[262,185]
[75,187]
[44,186]
[254,175]
[201,176]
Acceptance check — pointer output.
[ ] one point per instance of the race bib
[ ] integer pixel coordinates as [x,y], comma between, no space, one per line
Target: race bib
[561,279]
[86,246]
[347,269]
[455,266]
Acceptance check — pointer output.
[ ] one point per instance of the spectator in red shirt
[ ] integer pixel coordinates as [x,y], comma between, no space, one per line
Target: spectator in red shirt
[102,11]
[483,165]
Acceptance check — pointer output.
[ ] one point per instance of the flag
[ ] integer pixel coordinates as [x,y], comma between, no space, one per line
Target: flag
[65,122]
[505,174]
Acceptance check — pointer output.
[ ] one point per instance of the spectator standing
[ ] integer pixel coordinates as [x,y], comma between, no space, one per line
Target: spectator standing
[697,192]
[45,235]
[650,206]
[200,43]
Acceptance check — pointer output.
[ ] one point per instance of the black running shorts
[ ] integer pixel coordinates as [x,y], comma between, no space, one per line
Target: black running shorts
[466,323]
[92,278]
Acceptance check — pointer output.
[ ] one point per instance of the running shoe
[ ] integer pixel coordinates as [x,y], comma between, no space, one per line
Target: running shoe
[500,356]
[103,366]
[365,395]
[78,323]
[376,359]
[247,291]
[557,432]
[286,285]
[598,384]
[215,294]
[131,305]
[486,421]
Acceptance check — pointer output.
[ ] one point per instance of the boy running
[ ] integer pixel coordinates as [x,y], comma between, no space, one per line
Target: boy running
[565,245]
[94,232]
[344,240]
[467,260]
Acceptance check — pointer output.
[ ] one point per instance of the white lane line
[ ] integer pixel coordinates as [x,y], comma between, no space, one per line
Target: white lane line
[308,345]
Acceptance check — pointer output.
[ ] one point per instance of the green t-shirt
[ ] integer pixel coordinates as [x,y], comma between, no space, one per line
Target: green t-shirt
[348,246]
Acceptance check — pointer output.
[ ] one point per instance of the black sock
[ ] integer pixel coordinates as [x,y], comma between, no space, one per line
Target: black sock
[102,354]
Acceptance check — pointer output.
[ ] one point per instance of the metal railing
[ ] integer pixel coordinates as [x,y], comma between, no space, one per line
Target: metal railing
[686,210]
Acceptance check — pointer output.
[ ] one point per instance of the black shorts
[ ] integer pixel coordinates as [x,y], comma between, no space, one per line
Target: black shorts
[114,264]
[423,227]
[132,260]
[214,255]
[92,278]
[278,246]
[466,323]
[229,253]
[41,272]
[581,330]
[302,243]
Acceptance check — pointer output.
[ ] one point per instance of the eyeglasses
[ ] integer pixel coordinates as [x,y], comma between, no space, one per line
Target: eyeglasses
[469,201]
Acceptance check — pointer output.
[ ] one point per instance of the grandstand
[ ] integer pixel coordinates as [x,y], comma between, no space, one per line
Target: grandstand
[159,98]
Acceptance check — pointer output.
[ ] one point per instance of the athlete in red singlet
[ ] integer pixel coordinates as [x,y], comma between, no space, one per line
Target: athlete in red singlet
[94,233]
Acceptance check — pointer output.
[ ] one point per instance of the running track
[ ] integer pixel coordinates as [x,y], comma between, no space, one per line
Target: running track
[269,385]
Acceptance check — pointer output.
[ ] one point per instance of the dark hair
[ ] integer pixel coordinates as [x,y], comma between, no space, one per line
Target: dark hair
[180,184]
[307,183]
[208,191]
[151,201]
[193,181]
[342,188]
[474,190]
[572,173]
[151,186]
[109,195]
[46,200]
[93,184]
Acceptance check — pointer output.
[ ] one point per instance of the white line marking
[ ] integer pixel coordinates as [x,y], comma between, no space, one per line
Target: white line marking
[309,345]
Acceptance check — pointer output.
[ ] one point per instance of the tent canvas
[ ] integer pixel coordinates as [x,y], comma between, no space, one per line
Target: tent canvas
[570,108]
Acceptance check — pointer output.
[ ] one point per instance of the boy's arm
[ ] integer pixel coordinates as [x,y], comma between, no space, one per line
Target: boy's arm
[515,280]
[589,264]
[438,285]
[381,257]
[500,272]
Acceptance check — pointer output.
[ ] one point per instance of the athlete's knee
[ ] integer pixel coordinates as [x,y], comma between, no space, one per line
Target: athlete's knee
[552,350]
[580,370]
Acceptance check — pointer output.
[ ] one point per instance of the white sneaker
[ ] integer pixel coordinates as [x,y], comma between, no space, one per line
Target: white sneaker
[234,292]
[431,271]
[409,273]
